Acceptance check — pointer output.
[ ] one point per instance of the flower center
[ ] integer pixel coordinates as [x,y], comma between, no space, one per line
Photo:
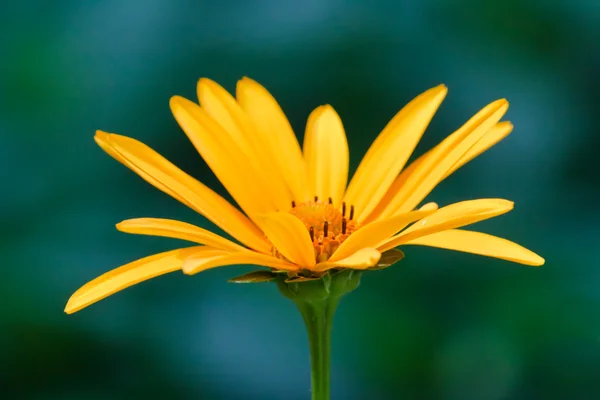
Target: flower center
[328,226]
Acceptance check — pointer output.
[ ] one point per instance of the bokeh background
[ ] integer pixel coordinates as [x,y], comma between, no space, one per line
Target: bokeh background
[439,325]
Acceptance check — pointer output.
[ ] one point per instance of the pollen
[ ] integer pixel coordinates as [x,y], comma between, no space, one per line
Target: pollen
[327,225]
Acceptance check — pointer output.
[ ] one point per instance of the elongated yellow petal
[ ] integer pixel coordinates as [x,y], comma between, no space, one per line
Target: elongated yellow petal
[390,151]
[493,136]
[165,176]
[326,154]
[418,181]
[195,264]
[372,234]
[290,237]
[128,275]
[450,217]
[362,259]
[274,127]
[177,230]
[229,162]
[429,207]
[480,243]
[384,209]
[101,138]
[225,110]
[122,148]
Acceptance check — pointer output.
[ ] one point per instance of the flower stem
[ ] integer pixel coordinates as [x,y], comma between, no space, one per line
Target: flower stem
[318,317]
[317,301]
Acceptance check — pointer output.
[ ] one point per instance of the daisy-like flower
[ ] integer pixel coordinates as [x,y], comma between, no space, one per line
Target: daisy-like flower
[297,212]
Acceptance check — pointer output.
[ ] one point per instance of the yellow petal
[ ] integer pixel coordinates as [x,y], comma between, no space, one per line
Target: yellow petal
[326,154]
[289,235]
[417,182]
[493,136]
[195,264]
[387,204]
[159,172]
[274,127]
[225,110]
[372,234]
[128,275]
[390,151]
[480,243]
[432,206]
[177,230]
[101,138]
[450,217]
[230,163]
[362,259]
[121,149]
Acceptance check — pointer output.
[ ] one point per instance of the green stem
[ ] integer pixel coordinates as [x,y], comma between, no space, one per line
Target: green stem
[318,317]
[317,301]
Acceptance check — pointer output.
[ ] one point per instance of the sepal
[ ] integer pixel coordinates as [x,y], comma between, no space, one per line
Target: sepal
[255,277]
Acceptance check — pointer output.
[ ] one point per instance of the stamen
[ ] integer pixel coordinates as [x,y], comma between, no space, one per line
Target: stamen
[343,209]
[316,198]
[326,226]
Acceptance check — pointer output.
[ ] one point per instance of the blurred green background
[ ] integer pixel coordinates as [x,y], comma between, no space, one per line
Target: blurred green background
[439,325]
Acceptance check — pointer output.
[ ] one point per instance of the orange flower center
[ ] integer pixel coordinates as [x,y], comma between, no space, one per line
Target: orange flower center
[327,226]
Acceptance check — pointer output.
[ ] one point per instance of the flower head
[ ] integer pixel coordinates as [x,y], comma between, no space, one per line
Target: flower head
[297,212]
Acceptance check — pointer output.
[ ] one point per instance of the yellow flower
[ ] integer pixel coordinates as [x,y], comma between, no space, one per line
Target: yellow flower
[298,214]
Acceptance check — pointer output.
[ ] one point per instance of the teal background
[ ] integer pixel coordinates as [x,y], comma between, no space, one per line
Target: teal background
[439,325]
